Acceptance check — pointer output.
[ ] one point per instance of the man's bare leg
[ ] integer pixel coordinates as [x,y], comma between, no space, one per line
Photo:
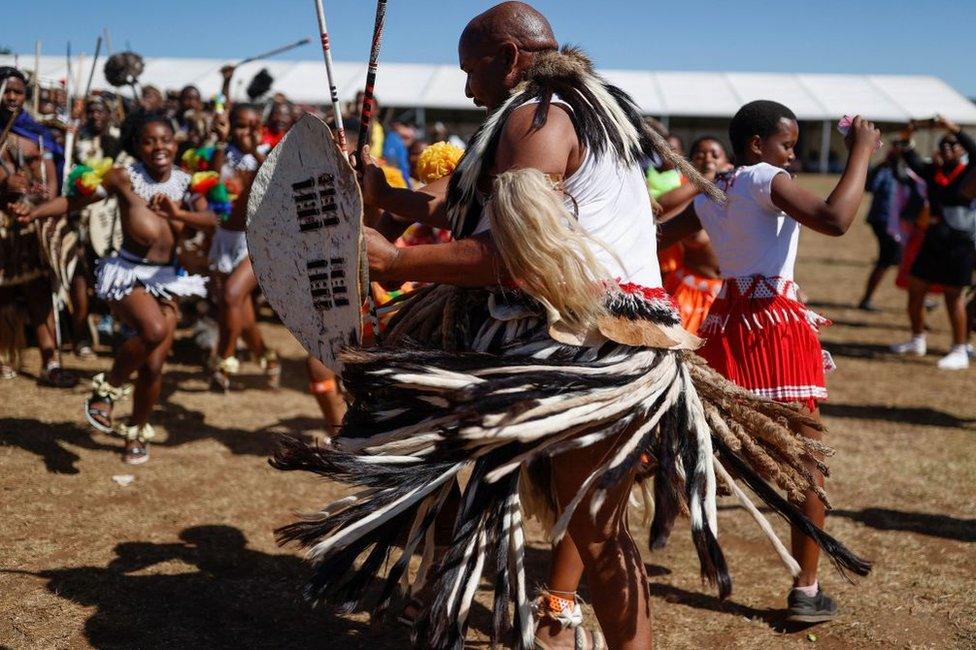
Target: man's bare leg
[615,571]
[325,387]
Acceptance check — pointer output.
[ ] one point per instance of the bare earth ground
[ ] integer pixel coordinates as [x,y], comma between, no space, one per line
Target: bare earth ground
[184,557]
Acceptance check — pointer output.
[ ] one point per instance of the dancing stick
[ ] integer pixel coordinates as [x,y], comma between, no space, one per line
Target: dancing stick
[40,146]
[364,123]
[374,59]
[91,73]
[279,50]
[69,151]
[333,90]
[67,83]
[36,99]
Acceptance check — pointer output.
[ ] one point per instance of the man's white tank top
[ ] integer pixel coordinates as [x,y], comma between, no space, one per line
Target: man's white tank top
[614,207]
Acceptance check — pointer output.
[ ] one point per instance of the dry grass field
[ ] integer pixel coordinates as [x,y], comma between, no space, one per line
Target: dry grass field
[184,556]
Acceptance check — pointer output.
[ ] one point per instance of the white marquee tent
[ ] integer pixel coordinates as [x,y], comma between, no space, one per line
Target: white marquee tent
[814,97]
[821,98]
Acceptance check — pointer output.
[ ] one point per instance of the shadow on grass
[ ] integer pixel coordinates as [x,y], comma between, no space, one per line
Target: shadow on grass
[842,322]
[921,415]
[774,618]
[209,590]
[212,592]
[48,440]
[861,351]
[923,523]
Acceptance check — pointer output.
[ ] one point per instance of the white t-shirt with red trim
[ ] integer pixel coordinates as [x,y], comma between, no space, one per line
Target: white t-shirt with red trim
[750,235]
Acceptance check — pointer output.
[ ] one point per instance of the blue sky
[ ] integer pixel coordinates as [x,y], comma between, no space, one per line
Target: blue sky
[858,36]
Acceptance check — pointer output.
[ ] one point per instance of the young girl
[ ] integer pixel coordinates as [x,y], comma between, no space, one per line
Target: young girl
[758,334]
[237,158]
[144,280]
[695,283]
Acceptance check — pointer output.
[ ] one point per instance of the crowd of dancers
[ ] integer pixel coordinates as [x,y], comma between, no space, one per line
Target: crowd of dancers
[154,215]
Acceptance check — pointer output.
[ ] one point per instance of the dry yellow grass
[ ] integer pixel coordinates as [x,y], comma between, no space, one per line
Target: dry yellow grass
[184,557]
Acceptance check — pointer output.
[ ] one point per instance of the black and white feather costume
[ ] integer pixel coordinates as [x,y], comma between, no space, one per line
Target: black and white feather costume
[474,378]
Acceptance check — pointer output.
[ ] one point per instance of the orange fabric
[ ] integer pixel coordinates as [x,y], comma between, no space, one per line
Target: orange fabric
[694,295]
[323,387]
[670,259]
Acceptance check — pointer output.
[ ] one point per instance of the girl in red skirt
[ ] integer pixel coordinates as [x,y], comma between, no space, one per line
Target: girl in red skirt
[757,333]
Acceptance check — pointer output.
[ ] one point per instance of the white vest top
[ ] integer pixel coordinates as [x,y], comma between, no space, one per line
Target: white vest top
[615,208]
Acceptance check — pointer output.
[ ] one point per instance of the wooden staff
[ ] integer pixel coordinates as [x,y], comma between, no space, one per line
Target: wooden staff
[36,99]
[364,122]
[333,90]
[67,82]
[279,50]
[374,59]
[91,73]
[40,147]
[69,151]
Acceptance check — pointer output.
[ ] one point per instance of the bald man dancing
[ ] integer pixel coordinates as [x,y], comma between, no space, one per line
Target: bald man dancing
[546,359]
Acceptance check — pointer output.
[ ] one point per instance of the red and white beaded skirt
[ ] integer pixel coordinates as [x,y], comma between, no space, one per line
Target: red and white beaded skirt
[759,336]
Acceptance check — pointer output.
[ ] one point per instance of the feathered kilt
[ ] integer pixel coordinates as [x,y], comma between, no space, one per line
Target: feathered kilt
[759,336]
[471,378]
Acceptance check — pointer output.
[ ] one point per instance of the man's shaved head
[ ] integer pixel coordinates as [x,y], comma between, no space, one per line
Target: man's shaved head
[514,22]
[497,48]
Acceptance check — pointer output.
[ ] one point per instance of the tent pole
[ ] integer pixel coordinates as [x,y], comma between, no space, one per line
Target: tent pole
[421,115]
[825,147]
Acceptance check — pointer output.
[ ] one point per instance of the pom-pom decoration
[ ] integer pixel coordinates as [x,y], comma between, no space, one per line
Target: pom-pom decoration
[394,176]
[208,184]
[197,160]
[437,161]
[202,182]
[85,178]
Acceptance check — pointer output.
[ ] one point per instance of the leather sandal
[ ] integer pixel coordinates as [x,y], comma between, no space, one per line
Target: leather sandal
[105,393]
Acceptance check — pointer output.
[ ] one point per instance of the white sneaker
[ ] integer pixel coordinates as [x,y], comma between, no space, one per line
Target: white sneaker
[958,359]
[916,346]
[971,351]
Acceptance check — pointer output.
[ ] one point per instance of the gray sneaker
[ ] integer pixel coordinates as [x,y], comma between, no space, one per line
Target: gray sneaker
[810,609]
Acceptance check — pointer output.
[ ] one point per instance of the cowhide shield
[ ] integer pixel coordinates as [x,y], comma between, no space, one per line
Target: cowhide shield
[104,223]
[60,245]
[304,230]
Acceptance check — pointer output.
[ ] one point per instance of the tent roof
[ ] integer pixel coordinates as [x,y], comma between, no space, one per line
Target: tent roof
[889,98]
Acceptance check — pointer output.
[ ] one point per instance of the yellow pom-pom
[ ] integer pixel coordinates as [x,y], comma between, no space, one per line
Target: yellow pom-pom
[100,166]
[90,181]
[394,176]
[437,161]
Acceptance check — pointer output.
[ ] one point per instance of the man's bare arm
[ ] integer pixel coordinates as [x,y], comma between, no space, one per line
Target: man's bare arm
[426,205]
[471,262]
[553,149]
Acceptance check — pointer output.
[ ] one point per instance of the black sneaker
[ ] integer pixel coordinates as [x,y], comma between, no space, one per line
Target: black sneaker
[866,305]
[810,609]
